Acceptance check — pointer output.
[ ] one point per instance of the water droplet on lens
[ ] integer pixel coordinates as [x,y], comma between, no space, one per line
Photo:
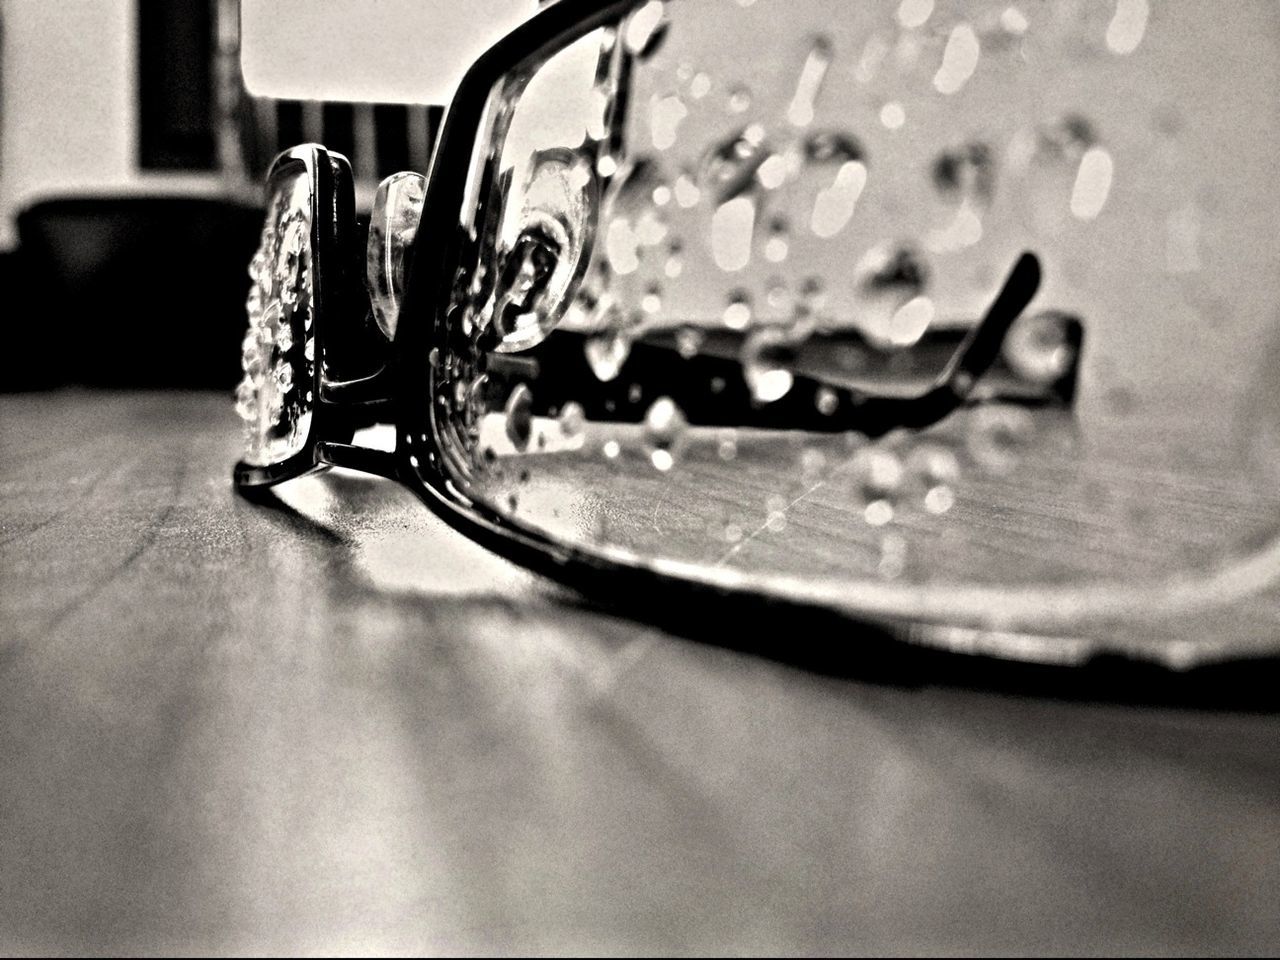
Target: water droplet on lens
[251,355]
[965,178]
[826,400]
[606,353]
[737,315]
[646,29]
[652,300]
[959,60]
[773,172]
[893,556]
[936,470]
[801,110]
[727,444]
[812,463]
[768,355]
[573,421]
[687,192]
[966,172]
[1093,184]
[665,114]
[1125,31]
[931,464]
[246,399]
[284,337]
[635,223]
[732,227]
[878,513]
[664,429]
[689,341]
[519,411]
[889,284]
[1067,138]
[253,305]
[271,321]
[869,62]
[601,110]
[778,296]
[812,302]
[829,146]
[1039,347]
[998,435]
[834,204]
[1014,21]
[649,229]
[877,473]
[910,322]
[776,246]
[1059,183]
[913,13]
[939,499]
[728,168]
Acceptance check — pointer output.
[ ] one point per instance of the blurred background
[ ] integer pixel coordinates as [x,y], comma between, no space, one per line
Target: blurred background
[132,153]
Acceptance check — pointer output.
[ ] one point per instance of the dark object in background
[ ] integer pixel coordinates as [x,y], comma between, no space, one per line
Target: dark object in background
[130,291]
[176,112]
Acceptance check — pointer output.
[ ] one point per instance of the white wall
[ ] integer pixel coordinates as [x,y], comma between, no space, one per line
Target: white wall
[382,51]
[68,99]
[68,105]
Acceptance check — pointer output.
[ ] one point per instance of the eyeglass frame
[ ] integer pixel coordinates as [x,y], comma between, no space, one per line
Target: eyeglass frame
[392,391]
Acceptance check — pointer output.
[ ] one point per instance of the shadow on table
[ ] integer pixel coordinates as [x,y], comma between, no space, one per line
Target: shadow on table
[816,640]
[774,630]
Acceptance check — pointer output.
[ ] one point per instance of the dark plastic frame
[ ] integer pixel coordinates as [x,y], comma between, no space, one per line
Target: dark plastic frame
[402,390]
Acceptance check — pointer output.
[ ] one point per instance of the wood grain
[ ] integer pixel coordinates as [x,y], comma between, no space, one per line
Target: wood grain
[336,726]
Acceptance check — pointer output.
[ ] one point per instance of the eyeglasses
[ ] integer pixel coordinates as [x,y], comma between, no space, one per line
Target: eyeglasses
[791,301]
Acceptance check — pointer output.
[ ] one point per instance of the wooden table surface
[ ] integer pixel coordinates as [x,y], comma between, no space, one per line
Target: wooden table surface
[338,726]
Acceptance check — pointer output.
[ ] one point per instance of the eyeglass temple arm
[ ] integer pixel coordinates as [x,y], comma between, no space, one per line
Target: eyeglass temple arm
[878,415]
[712,391]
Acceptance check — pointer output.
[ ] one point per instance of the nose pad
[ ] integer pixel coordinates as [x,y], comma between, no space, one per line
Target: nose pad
[393,225]
[526,276]
[544,250]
